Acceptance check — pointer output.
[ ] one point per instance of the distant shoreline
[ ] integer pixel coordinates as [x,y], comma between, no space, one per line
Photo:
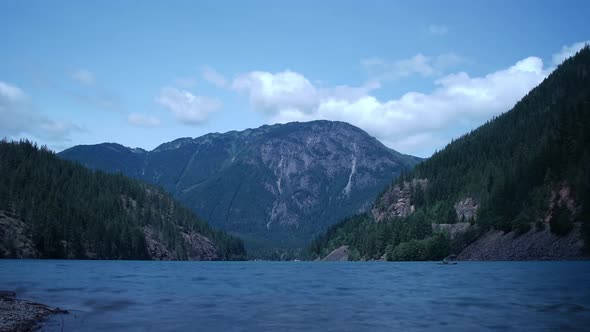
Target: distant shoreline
[317,260]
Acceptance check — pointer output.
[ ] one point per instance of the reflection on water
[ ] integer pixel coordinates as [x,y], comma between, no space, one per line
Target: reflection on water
[305,296]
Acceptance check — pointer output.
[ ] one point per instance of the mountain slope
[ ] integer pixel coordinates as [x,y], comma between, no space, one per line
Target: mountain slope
[523,172]
[52,208]
[276,185]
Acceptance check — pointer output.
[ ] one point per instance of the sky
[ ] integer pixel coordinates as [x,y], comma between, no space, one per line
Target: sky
[413,74]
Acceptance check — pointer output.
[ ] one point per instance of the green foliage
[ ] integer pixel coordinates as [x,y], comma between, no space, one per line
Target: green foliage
[370,240]
[74,212]
[354,254]
[561,221]
[417,196]
[436,247]
[414,250]
[451,215]
[522,223]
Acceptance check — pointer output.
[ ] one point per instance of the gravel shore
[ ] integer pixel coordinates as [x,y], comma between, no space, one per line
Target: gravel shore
[20,315]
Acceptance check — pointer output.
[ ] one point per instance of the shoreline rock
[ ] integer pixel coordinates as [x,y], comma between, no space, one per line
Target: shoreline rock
[338,254]
[21,315]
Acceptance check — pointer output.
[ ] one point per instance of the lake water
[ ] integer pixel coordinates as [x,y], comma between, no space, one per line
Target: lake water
[305,296]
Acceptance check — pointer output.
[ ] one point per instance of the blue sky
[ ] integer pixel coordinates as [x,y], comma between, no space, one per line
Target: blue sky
[414,74]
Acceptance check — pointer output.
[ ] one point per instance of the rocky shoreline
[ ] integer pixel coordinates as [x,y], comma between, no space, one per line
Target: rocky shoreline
[21,315]
[534,245]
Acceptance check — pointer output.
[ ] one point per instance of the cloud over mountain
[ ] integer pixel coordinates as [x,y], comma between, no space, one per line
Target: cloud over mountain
[413,123]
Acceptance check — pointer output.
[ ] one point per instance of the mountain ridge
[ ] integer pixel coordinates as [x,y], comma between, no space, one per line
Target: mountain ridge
[304,175]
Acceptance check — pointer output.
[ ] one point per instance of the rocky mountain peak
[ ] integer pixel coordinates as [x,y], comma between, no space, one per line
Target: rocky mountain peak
[279,183]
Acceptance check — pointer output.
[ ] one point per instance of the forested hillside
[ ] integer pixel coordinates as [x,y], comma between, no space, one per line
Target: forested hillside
[53,208]
[522,172]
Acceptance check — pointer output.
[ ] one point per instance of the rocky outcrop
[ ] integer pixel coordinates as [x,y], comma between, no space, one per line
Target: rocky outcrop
[198,247]
[533,245]
[397,200]
[561,195]
[155,247]
[466,209]
[15,238]
[338,254]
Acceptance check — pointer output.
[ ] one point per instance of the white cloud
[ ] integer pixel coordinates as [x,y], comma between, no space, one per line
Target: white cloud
[416,123]
[568,51]
[19,119]
[212,76]
[142,120]
[269,92]
[83,76]
[438,30]
[187,107]
[11,95]
[419,64]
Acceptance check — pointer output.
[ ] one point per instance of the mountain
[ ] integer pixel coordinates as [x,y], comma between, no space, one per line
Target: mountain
[275,186]
[517,187]
[53,208]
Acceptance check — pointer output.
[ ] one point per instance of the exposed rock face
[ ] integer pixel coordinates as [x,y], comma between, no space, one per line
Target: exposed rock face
[338,254]
[533,245]
[281,183]
[199,247]
[561,196]
[466,209]
[397,200]
[15,238]
[155,248]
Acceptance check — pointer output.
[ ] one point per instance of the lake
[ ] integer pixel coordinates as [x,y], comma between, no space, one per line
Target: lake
[305,296]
